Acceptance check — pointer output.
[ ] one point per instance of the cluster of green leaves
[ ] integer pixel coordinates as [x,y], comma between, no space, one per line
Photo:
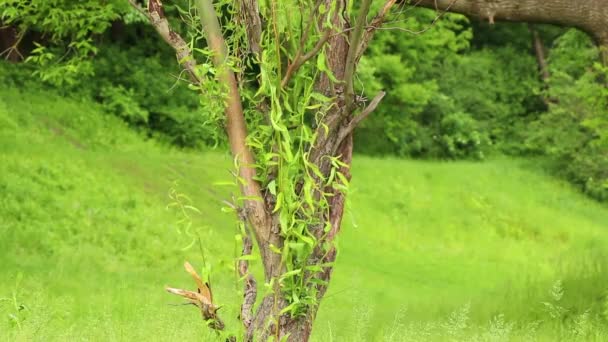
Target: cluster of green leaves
[463,90]
[69,27]
[142,87]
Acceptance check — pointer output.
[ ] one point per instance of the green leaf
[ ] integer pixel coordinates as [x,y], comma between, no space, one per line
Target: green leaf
[248,257]
[275,249]
[322,66]
[291,273]
[279,203]
[272,187]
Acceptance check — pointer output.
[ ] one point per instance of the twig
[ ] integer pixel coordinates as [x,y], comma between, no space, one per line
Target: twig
[15,46]
[301,59]
[379,19]
[140,9]
[360,117]
[375,24]
[156,16]
[351,57]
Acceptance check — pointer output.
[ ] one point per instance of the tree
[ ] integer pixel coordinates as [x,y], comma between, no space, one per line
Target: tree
[286,71]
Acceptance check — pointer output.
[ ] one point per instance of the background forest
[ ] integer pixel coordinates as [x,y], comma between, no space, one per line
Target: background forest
[488,132]
[457,89]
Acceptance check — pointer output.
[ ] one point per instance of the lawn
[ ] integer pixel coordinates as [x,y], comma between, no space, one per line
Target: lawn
[429,251]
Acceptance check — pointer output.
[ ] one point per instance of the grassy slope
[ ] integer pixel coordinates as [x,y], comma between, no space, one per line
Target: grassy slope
[87,243]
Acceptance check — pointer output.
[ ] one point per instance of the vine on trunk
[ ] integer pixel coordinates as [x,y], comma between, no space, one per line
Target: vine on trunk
[289,122]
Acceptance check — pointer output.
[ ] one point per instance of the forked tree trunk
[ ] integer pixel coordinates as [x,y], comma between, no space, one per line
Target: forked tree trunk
[343,47]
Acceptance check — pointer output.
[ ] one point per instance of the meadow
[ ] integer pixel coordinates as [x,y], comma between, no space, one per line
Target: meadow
[488,251]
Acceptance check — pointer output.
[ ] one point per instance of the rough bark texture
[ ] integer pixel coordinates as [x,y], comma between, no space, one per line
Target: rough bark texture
[336,50]
[250,16]
[590,16]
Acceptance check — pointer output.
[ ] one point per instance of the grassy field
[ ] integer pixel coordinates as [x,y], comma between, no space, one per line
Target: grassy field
[429,251]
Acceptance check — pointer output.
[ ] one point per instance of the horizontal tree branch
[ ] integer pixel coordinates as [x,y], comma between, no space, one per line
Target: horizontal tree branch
[588,15]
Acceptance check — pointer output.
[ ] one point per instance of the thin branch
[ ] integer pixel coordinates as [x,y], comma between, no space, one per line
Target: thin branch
[375,24]
[140,9]
[15,47]
[292,67]
[301,59]
[424,29]
[156,16]
[351,58]
[360,117]
[236,129]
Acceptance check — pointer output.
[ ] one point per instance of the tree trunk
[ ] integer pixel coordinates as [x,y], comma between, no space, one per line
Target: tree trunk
[299,328]
[539,51]
[343,46]
[590,16]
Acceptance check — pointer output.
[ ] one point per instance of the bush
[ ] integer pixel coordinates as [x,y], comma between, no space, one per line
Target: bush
[144,89]
[461,138]
[575,129]
[446,100]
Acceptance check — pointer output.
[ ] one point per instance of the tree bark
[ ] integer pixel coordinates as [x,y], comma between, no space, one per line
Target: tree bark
[603,45]
[539,51]
[590,16]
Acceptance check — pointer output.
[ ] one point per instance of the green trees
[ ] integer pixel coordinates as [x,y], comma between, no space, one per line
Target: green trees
[69,27]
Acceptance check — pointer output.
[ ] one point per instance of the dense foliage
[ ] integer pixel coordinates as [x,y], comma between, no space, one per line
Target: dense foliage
[458,89]
[574,131]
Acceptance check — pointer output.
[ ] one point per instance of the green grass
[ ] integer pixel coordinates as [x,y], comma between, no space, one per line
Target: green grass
[429,250]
